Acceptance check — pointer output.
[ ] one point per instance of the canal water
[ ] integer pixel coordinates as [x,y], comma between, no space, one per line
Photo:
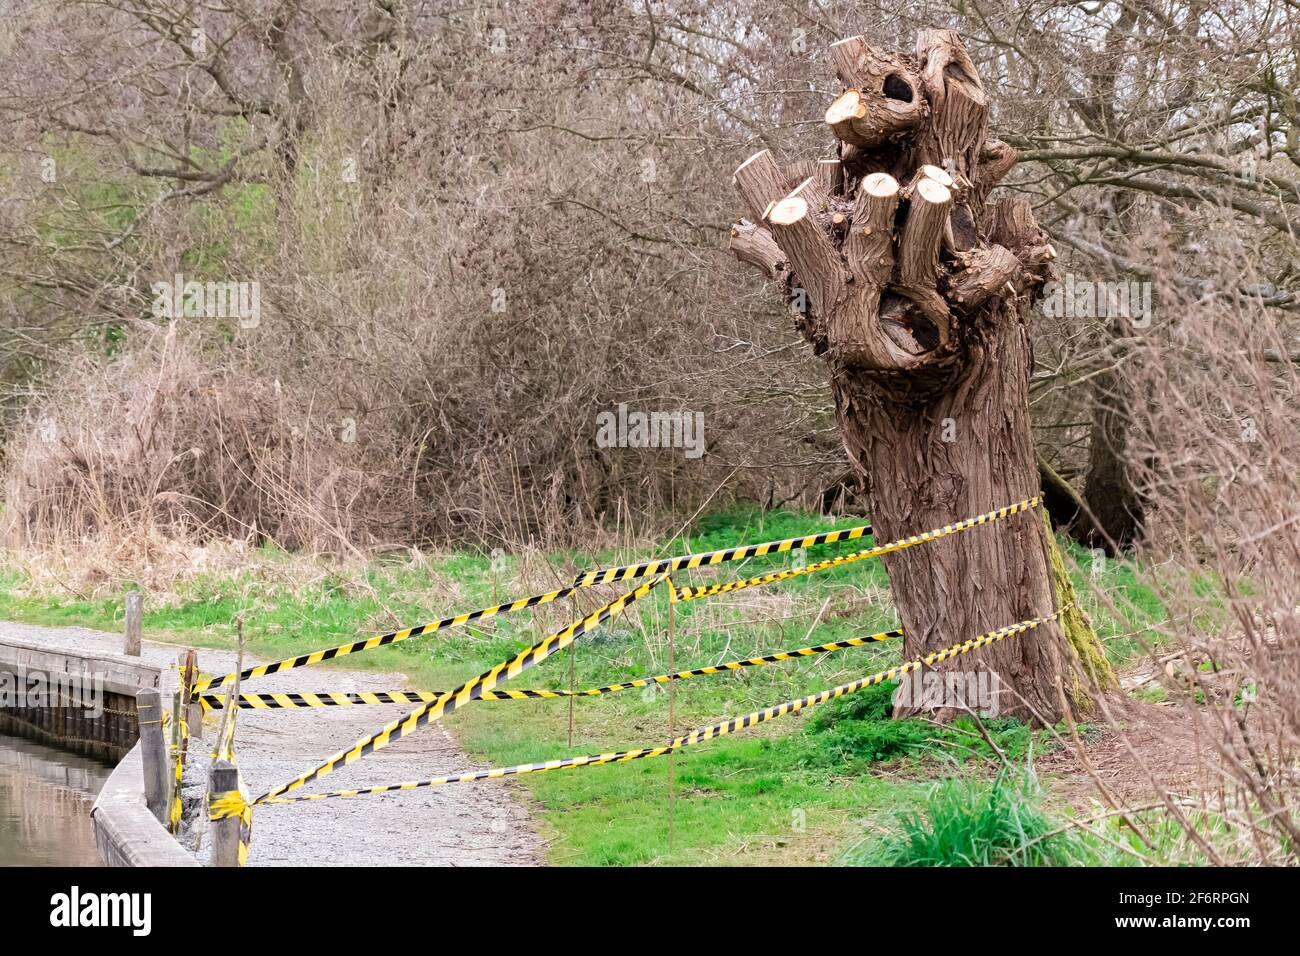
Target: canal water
[45,800]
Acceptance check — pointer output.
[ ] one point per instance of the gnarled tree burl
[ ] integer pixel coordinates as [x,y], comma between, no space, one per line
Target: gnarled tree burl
[916,290]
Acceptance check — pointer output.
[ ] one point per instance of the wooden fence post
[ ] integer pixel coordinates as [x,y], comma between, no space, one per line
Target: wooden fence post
[222,778]
[153,752]
[134,615]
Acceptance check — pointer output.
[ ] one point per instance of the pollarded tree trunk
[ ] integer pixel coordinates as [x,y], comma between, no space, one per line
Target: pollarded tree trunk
[916,292]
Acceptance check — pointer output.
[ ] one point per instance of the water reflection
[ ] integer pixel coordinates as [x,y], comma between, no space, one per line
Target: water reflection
[45,800]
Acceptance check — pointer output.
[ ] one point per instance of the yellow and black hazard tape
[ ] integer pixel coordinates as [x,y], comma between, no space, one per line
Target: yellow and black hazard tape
[623,573]
[471,690]
[174,814]
[701,734]
[585,580]
[355,698]
[628,572]
[727,587]
[392,637]
[234,803]
[298,699]
[181,750]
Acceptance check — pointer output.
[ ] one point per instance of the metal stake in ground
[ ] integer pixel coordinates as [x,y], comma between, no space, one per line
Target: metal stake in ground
[573,685]
[583,603]
[672,707]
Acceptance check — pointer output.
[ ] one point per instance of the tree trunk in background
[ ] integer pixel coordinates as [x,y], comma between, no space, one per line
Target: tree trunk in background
[1116,509]
[917,294]
[1111,511]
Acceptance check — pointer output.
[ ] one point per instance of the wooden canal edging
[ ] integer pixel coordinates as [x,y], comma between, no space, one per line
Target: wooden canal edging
[90,706]
[126,830]
[87,704]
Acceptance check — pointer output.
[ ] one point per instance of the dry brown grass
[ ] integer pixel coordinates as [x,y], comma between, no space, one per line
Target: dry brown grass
[160,445]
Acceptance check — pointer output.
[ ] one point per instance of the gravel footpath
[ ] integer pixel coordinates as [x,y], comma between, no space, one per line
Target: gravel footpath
[473,824]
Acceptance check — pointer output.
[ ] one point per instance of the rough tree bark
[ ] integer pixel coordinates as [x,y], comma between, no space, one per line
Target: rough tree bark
[916,292]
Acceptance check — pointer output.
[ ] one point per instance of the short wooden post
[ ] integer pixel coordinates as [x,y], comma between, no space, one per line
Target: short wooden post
[134,617]
[223,777]
[153,752]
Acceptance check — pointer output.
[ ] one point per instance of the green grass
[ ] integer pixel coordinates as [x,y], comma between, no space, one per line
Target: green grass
[795,790]
[1005,822]
[965,823]
[1123,621]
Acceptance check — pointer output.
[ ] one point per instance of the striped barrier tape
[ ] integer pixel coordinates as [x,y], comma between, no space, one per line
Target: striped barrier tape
[586,580]
[469,691]
[627,572]
[356,698]
[701,734]
[727,587]
[182,746]
[296,699]
[174,814]
[237,803]
[234,803]
[392,637]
